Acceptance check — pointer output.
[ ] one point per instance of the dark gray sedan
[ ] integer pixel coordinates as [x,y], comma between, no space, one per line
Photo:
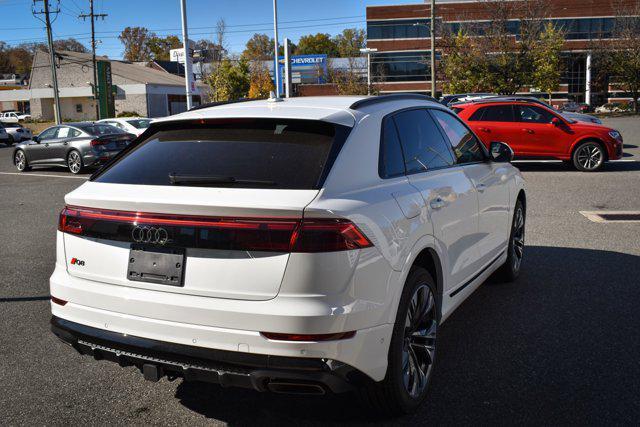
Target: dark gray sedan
[72,145]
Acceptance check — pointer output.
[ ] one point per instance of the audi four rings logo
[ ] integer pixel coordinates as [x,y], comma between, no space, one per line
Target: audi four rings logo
[156,235]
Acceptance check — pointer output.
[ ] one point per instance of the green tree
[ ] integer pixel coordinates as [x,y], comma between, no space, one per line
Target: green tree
[159,47]
[258,48]
[463,65]
[229,80]
[135,44]
[317,44]
[69,44]
[261,83]
[350,41]
[547,60]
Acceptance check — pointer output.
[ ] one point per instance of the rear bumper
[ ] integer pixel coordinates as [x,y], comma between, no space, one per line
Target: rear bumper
[157,359]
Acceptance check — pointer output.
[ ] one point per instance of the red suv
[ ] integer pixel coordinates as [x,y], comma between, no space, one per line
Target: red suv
[534,131]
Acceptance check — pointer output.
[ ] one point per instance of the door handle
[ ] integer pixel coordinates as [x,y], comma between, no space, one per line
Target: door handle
[46,144]
[527,130]
[481,187]
[437,203]
[65,143]
[484,129]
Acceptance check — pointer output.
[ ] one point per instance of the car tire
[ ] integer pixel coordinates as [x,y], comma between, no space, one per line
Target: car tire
[74,162]
[510,270]
[20,161]
[589,156]
[403,389]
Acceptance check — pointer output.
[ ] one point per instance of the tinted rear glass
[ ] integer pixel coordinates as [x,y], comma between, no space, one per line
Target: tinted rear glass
[98,129]
[238,153]
[139,124]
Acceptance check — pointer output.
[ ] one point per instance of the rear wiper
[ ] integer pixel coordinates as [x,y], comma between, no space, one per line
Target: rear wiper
[178,179]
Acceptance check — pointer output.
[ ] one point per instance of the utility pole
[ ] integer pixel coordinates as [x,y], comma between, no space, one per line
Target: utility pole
[188,75]
[93,17]
[52,55]
[432,28]
[276,63]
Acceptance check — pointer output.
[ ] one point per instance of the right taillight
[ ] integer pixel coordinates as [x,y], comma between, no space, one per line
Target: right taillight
[237,233]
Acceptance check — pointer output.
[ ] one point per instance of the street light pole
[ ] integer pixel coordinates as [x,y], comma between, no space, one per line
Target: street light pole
[276,63]
[433,48]
[368,51]
[188,75]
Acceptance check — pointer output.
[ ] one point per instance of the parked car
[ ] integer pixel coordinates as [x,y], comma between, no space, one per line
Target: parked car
[134,125]
[569,115]
[537,132]
[447,100]
[17,132]
[306,246]
[4,136]
[615,107]
[72,145]
[13,117]
[575,107]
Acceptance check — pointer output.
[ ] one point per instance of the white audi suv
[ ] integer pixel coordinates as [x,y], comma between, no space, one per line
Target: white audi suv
[306,245]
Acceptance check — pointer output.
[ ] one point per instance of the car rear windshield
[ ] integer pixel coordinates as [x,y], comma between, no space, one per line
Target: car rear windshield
[238,153]
[97,129]
[139,124]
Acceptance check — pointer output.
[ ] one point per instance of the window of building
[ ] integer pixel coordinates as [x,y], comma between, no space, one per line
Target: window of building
[423,144]
[78,108]
[398,29]
[391,161]
[466,146]
[401,66]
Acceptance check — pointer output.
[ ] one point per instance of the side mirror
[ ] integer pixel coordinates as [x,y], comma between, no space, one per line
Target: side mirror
[501,152]
[36,139]
[556,121]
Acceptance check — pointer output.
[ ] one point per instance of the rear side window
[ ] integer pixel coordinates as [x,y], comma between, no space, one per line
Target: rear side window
[391,161]
[238,153]
[98,129]
[466,146]
[495,113]
[423,145]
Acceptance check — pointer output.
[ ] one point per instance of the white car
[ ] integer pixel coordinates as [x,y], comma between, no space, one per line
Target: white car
[134,125]
[307,246]
[17,132]
[13,117]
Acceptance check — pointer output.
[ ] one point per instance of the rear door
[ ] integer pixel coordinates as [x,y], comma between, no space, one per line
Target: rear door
[220,200]
[58,146]
[496,123]
[540,137]
[490,181]
[449,195]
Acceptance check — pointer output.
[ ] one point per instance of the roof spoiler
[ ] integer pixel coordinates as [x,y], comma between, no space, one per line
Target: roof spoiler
[215,104]
[392,97]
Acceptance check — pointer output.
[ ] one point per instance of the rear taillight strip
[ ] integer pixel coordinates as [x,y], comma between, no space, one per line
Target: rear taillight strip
[259,234]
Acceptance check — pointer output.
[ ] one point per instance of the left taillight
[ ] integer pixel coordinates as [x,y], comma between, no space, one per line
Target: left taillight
[69,221]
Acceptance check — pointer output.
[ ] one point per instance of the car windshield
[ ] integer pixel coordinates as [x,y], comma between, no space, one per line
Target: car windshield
[238,153]
[139,123]
[98,129]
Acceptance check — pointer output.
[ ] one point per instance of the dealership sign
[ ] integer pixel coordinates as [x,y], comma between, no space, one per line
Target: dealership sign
[310,69]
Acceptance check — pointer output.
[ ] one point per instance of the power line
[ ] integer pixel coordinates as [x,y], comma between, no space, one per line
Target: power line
[94,16]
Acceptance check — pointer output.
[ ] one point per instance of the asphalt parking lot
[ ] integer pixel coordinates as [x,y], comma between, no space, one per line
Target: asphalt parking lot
[559,346]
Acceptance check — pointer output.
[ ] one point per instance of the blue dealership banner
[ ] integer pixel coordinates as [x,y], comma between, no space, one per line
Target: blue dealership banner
[311,69]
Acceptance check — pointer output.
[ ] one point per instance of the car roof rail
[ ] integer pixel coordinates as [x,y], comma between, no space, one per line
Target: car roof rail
[391,97]
[217,103]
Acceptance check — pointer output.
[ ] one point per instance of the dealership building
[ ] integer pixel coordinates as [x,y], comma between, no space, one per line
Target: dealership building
[401,35]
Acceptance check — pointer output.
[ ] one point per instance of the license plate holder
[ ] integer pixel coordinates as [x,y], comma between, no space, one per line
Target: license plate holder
[160,265]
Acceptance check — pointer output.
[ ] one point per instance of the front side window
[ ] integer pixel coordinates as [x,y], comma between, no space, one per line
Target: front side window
[237,153]
[466,146]
[422,142]
[49,133]
[530,114]
[391,161]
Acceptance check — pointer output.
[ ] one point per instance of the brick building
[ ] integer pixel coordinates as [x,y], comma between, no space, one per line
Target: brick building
[401,35]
